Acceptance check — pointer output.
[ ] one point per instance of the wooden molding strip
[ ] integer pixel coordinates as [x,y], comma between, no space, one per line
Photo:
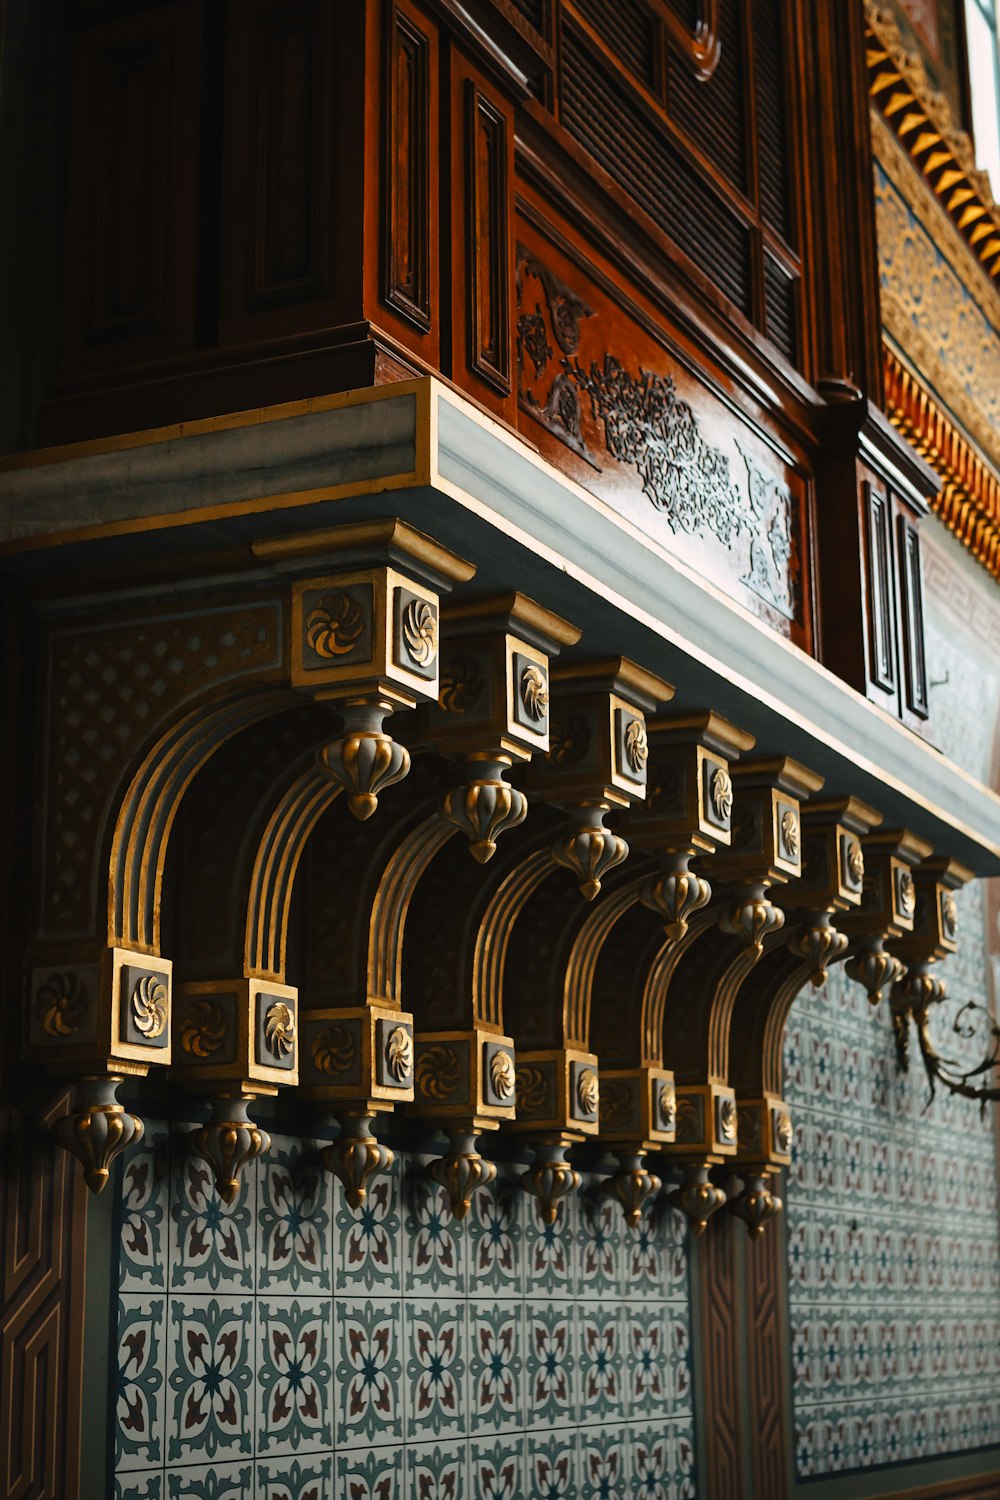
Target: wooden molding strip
[969,502]
[922,120]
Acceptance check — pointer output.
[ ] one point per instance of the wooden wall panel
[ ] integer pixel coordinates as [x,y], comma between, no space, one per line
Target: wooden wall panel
[131,221]
[279,168]
[881,593]
[721,1434]
[42,1239]
[482,229]
[767,1374]
[409,240]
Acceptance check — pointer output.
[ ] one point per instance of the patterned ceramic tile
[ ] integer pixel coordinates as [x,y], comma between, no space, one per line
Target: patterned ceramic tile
[603,1462]
[551,1464]
[496,1230]
[601,1372]
[650,1462]
[302,1479]
[496,1367]
[210,1364]
[210,1482]
[435,1247]
[139,1486]
[369,1371]
[375,1474]
[550,1251]
[211,1243]
[138,1415]
[368,1239]
[599,1246]
[293,1375]
[294,1237]
[437,1471]
[497,1469]
[884,1352]
[648,1366]
[549,1362]
[145,1181]
[436,1392]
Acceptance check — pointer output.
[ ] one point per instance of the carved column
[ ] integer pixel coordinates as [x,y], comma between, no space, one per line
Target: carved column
[887,909]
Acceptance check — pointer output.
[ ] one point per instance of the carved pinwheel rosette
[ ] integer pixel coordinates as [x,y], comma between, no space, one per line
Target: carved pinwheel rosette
[361,1056]
[241,1033]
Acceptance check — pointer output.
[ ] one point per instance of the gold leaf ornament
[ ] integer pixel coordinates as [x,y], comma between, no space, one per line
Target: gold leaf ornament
[728,1119]
[530,1089]
[61,1004]
[783,1135]
[332,1050]
[279,1029]
[534,690]
[636,746]
[588,1091]
[949,915]
[399,1053]
[722,794]
[502,1074]
[907,894]
[437,1073]
[148,1004]
[790,832]
[203,1028]
[856,861]
[334,625]
[420,631]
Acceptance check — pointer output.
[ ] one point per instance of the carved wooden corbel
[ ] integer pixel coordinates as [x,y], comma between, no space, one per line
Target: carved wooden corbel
[688,809]
[701,977]
[830,885]
[100,1020]
[365,638]
[597,759]
[493,708]
[887,909]
[934,937]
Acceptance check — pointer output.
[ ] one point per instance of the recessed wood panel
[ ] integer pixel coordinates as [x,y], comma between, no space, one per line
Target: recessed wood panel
[481,239]
[410,67]
[131,222]
[911,606]
[279,174]
[881,598]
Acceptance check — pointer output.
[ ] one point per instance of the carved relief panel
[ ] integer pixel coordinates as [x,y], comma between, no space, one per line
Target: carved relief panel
[605,399]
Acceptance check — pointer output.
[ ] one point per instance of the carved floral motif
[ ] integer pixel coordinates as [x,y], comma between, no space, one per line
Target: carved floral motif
[148,1004]
[399,1053]
[279,1029]
[636,746]
[334,625]
[61,1004]
[502,1074]
[333,1050]
[534,690]
[420,631]
[203,1028]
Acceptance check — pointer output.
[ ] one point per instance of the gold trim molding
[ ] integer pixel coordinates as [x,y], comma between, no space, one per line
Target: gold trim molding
[969,500]
[921,118]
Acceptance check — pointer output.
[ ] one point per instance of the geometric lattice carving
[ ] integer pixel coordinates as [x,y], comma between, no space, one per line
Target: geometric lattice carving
[110,689]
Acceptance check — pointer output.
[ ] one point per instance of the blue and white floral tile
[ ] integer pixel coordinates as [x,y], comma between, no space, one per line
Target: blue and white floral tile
[646,1330]
[210,1482]
[650,1461]
[601,1365]
[435,1369]
[210,1363]
[495,1228]
[368,1251]
[145,1187]
[139,1393]
[435,1245]
[307,1478]
[294,1238]
[550,1384]
[497,1468]
[437,1471]
[549,1250]
[551,1462]
[682,1458]
[603,1462]
[211,1242]
[140,1485]
[679,1350]
[294,1374]
[368,1384]
[599,1247]
[369,1474]
[496,1366]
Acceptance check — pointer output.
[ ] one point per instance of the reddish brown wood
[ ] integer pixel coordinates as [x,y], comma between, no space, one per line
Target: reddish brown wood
[767,1346]
[722,1434]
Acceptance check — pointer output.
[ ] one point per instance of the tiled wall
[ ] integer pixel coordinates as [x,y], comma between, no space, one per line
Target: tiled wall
[892,1204]
[289,1349]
